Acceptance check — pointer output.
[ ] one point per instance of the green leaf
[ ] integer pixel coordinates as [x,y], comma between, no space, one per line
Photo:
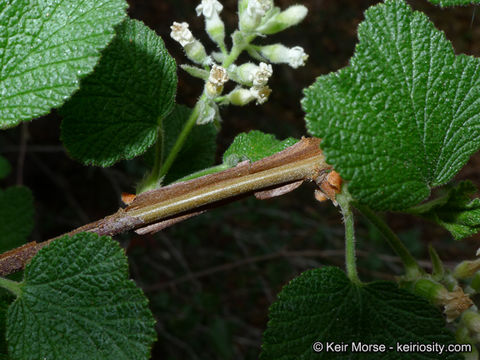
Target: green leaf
[444,3]
[116,113]
[46,47]
[5,168]
[16,216]
[199,149]
[323,305]
[404,116]
[77,302]
[254,146]
[455,211]
[3,319]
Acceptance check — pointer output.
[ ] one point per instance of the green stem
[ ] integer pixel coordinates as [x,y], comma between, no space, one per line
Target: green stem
[237,49]
[11,286]
[151,182]
[161,168]
[412,269]
[350,256]
[187,128]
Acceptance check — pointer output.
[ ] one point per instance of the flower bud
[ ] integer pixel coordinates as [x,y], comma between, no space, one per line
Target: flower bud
[214,26]
[251,13]
[475,284]
[466,269]
[208,112]
[240,96]
[290,17]
[472,321]
[278,53]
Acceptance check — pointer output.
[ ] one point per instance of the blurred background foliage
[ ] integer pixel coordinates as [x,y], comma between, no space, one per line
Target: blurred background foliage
[211,279]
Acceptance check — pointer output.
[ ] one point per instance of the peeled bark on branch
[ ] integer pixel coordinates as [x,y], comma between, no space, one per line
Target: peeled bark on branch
[157,209]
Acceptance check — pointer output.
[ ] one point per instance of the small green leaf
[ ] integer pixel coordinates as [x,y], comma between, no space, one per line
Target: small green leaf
[456,211]
[78,303]
[116,113]
[323,305]
[444,3]
[199,149]
[5,168]
[404,116]
[45,47]
[16,216]
[254,146]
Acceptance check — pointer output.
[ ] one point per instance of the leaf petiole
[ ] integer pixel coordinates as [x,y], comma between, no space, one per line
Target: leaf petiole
[412,269]
[12,286]
[344,200]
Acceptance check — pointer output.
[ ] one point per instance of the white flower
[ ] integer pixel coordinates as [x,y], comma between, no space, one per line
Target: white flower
[209,8]
[263,73]
[296,57]
[218,75]
[213,24]
[251,74]
[258,7]
[193,48]
[261,93]
[181,33]
[251,16]
[214,86]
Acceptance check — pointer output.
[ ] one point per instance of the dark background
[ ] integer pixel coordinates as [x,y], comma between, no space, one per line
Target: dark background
[211,279]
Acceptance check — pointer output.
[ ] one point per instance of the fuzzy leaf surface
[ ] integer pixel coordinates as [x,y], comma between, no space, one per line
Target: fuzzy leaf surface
[253,146]
[16,216]
[46,47]
[444,3]
[76,299]
[404,116]
[456,211]
[323,305]
[116,113]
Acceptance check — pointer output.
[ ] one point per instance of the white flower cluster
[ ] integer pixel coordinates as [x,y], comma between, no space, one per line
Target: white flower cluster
[256,18]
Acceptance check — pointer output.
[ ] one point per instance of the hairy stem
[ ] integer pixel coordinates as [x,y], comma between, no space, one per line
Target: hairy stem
[344,200]
[412,269]
[12,286]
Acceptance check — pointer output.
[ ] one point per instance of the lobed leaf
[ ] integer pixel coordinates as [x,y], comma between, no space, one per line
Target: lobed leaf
[16,216]
[323,305]
[254,146]
[77,302]
[404,116]
[46,47]
[118,110]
